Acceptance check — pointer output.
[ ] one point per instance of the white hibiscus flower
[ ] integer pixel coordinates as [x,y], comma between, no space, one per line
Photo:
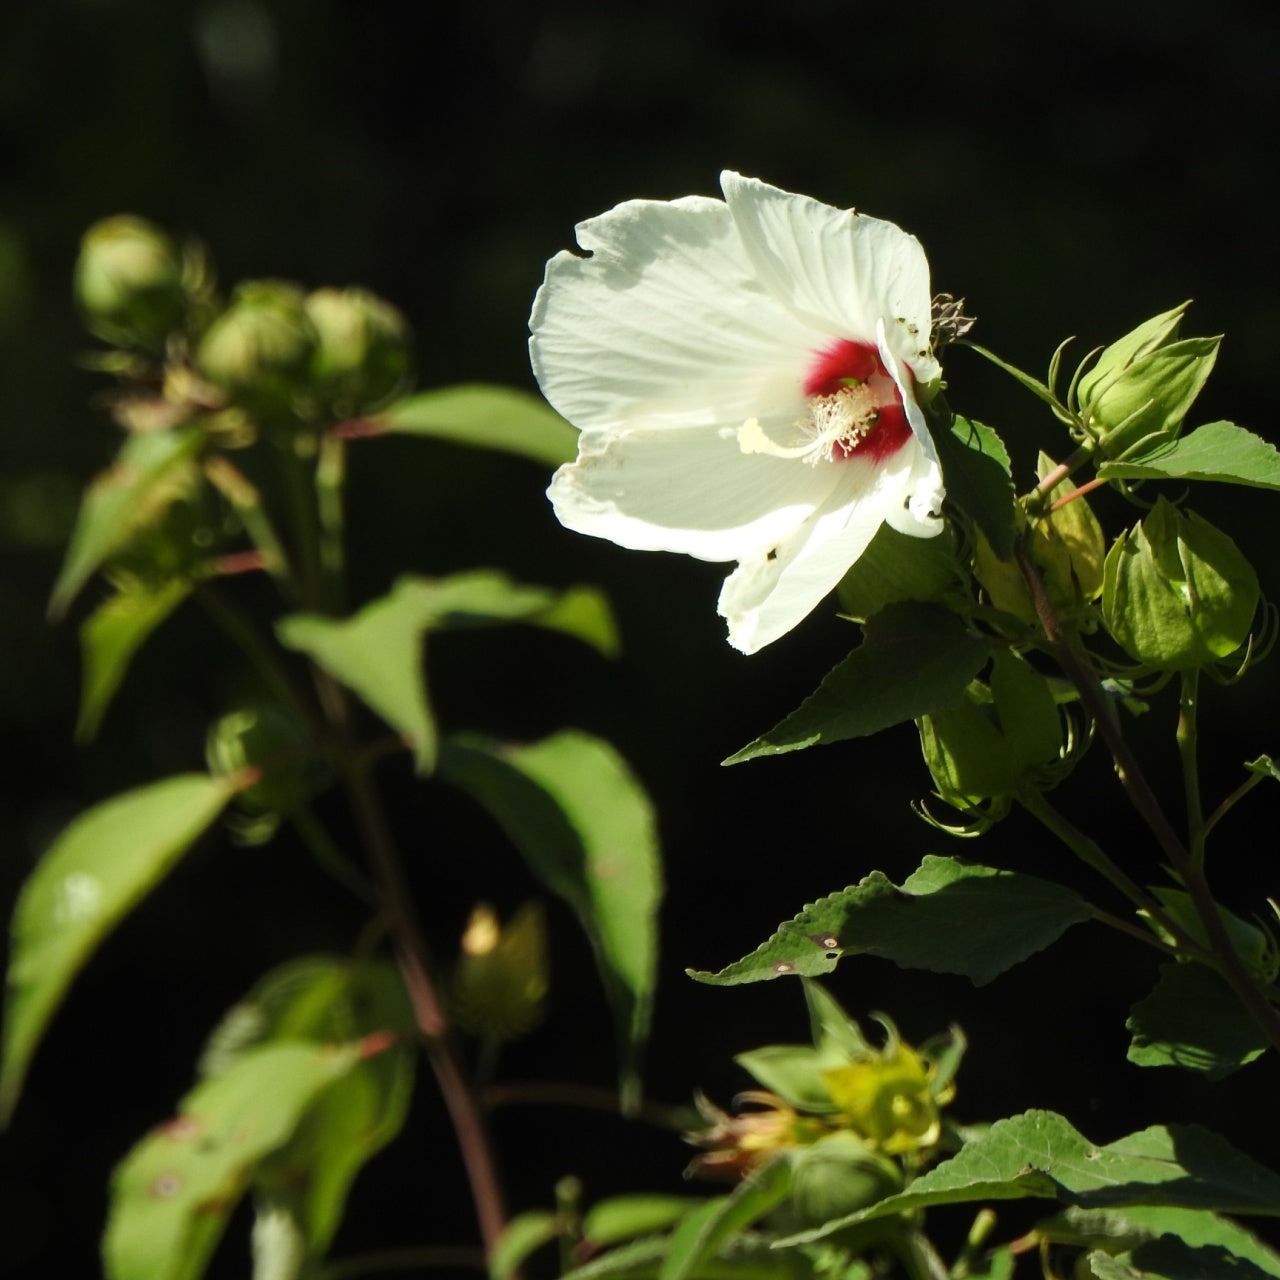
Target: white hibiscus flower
[744,374]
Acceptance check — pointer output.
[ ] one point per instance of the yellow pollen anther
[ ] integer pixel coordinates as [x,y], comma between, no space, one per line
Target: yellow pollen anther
[843,419]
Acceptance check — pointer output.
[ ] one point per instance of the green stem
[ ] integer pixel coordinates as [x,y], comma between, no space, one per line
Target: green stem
[331,474]
[329,858]
[246,501]
[1231,801]
[1188,703]
[297,453]
[1224,957]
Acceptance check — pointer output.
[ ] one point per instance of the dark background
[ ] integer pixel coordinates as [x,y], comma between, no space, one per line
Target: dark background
[1071,169]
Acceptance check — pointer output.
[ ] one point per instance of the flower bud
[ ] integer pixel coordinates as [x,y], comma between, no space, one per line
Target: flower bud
[1066,545]
[1140,389]
[128,283]
[266,737]
[838,1175]
[259,350]
[997,741]
[1177,593]
[362,355]
[499,986]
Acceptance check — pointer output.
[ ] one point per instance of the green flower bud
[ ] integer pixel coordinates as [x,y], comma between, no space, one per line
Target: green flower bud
[1140,389]
[1001,738]
[362,356]
[838,1175]
[1068,548]
[1177,593]
[266,737]
[259,350]
[128,283]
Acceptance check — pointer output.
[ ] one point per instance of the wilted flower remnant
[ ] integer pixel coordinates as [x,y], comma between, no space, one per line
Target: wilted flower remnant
[747,376]
[888,1099]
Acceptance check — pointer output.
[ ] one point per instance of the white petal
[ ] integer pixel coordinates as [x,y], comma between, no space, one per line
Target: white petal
[768,594]
[837,267]
[665,324]
[690,490]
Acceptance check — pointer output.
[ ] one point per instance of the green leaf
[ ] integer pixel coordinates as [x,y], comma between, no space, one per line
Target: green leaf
[1217,451]
[793,1072]
[485,417]
[323,1000]
[173,1193]
[1192,1019]
[625,1217]
[949,917]
[1171,1259]
[975,466]
[1039,1154]
[134,487]
[1034,385]
[378,653]
[585,826]
[1264,767]
[524,1234]
[913,659]
[109,638]
[100,867]
[1123,1230]
[700,1236]
[897,567]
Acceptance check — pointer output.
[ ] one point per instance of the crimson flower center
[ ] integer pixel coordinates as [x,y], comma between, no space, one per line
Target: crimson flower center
[854,404]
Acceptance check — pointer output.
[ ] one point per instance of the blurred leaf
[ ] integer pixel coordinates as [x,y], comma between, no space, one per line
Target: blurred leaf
[485,417]
[109,638]
[1217,451]
[949,916]
[523,1235]
[585,826]
[625,1217]
[173,1193]
[1039,1154]
[975,466]
[378,652]
[700,1236]
[95,872]
[913,659]
[1192,1019]
[325,999]
[117,501]
[1123,1230]
[1171,1259]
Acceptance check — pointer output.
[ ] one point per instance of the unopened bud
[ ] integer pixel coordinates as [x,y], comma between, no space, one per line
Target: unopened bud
[362,354]
[499,985]
[268,738]
[259,350]
[1178,594]
[128,283]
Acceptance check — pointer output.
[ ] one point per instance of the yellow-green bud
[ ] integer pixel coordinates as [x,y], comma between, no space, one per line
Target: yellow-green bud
[499,985]
[264,736]
[259,350]
[362,354]
[1178,594]
[1140,389]
[128,283]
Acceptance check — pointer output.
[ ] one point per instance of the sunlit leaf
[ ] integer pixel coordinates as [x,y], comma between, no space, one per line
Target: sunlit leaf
[949,916]
[584,824]
[485,417]
[975,466]
[1218,451]
[173,1193]
[117,502]
[94,873]
[913,659]
[110,637]
[1039,1154]
[378,652]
